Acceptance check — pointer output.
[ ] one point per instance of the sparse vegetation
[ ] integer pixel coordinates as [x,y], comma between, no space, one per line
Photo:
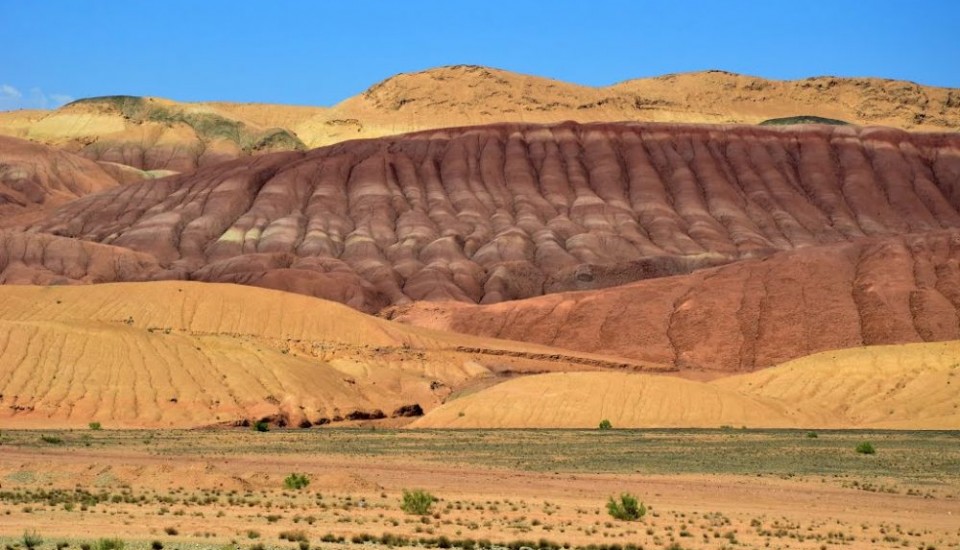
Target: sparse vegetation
[96,426]
[51,439]
[296,481]
[417,502]
[364,515]
[294,536]
[605,425]
[627,508]
[812,435]
[261,426]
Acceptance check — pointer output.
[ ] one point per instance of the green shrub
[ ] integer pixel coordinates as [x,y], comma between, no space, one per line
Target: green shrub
[417,502]
[296,481]
[96,426]
[109,544]
[261,426]
[156,545]
[866,448]
[812,435]
[51,439]
[628,508]
[605,424]
[31,539]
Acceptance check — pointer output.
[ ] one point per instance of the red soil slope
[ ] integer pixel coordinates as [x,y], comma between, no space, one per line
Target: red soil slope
[34,177]
[745,316]
[504,212]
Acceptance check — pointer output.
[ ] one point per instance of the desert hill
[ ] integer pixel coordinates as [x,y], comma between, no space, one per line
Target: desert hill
[505,212]
[153,133]
[744,316]
[470,95]
[913,386]
[188,354]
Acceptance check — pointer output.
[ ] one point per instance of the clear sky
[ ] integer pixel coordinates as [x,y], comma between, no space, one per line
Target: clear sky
[320,52]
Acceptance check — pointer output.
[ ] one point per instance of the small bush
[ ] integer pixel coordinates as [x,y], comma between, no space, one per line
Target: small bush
[296,481]
[605,425]
[294,536]
[31,539]
[261,426]
[95,426]
[417,502]
[109,544]
[866,448]
[51,439]
[628,508]
[253,534]
[812,435]
[156,545]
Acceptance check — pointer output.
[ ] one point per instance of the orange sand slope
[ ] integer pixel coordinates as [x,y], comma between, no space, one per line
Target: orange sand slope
[154,133]
[190,354]
[915,386]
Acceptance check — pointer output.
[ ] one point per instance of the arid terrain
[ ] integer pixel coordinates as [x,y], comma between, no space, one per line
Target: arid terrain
[451,282]
[153,133]
[503,489]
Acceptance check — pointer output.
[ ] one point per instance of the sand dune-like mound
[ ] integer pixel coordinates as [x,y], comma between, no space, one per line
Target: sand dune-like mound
[190,354]
[153,133]
[905,387]
[495,213]
[34,177]
[744,316]
[582,400]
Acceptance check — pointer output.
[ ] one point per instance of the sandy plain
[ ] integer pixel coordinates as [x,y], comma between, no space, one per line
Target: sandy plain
[728,488]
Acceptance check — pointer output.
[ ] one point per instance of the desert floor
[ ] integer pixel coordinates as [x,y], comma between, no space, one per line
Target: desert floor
[726,488]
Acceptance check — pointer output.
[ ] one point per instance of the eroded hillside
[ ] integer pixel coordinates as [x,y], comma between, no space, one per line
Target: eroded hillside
[488,214]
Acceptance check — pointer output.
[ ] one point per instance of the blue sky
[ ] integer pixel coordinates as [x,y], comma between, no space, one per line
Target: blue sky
[318,53]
